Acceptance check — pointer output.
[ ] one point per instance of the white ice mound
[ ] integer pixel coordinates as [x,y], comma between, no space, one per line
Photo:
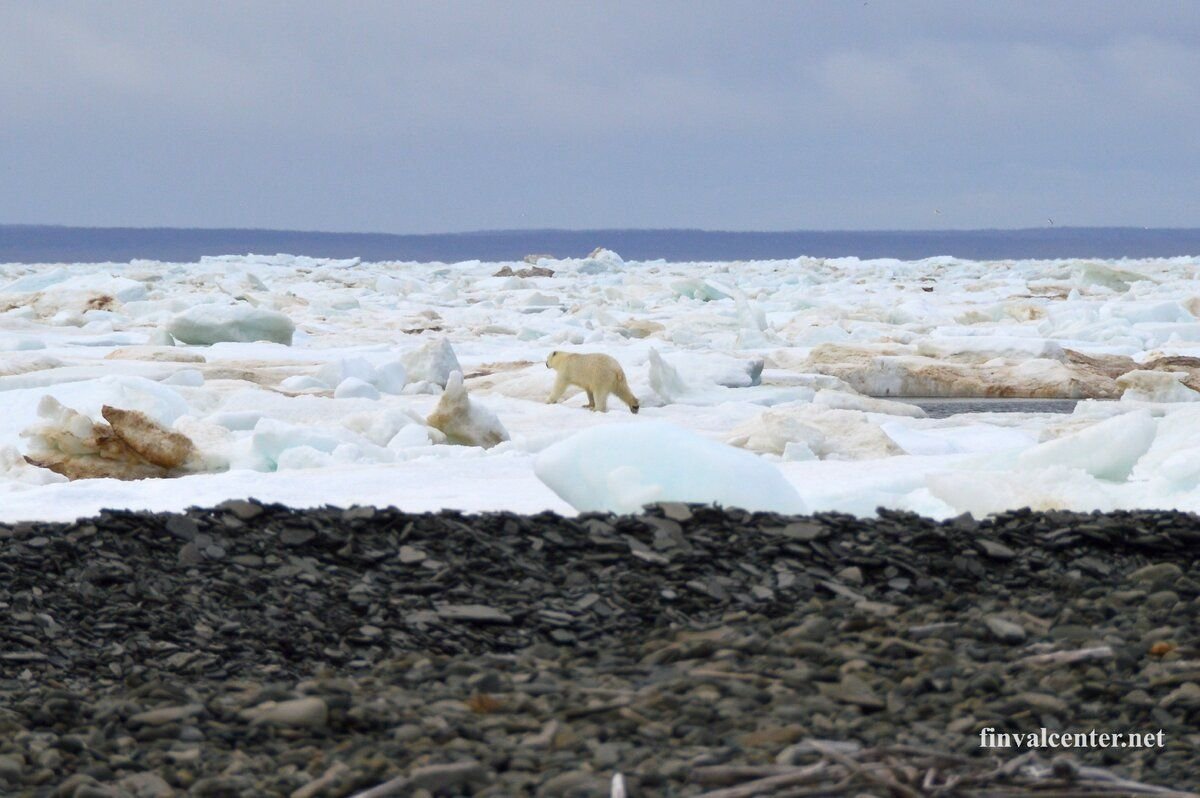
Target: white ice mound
[601,260]
[1173,460]
[240,322]
[830,433]
[1051,488]
[303,382]
[434,361]
[14,467]
[665,379]
[391,377]
[1107,450]
[621,467]
[273,442]
[335,372]
[841,400]
[1155,386]
[706,372]
[714,368]
[465,422]
[354,388]
[695,288]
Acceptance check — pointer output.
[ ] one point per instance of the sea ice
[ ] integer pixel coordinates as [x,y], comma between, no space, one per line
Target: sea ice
[211,323]
[335,372]
[842,400]
[391,377]
[434,361]
[303,382]
[463,421]
[830,433]
[354,388]
[620,467]
[819,330]
[1174,456]
[1107,450]
[187,378]
[1155,386]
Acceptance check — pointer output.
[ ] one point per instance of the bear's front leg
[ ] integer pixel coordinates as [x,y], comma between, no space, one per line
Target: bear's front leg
[560,385]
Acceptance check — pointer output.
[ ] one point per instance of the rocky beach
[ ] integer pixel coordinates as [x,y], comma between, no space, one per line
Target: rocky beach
[256,650]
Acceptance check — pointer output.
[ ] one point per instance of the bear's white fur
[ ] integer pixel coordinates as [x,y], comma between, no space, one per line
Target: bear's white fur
[597,374]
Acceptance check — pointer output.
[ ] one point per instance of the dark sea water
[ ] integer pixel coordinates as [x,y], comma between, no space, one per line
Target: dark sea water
[40,244]
[944,407]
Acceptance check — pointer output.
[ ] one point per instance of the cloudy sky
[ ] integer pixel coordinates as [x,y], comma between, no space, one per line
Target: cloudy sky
[446,116]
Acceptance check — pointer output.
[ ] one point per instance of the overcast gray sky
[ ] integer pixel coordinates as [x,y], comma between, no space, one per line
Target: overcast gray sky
[447,116]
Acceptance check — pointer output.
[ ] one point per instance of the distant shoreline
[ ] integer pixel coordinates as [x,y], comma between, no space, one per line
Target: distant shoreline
[60,244]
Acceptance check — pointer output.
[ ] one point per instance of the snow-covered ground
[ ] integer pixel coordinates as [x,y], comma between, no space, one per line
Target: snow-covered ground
[307,381]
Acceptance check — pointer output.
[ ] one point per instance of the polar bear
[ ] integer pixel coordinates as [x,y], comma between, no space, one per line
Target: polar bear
[597,374]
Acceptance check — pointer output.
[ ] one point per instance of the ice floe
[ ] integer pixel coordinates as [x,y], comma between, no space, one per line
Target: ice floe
[316,381]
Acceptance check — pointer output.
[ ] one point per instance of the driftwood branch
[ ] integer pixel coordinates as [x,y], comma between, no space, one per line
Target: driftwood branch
[908,771]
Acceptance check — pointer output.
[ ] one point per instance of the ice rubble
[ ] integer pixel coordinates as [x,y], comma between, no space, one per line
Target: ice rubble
[1155,386]
[242,322]
[128,444]
[786,358]
[434,361]
[1107,450]
[463,421]
[828,433]
[620,467]
[894,370]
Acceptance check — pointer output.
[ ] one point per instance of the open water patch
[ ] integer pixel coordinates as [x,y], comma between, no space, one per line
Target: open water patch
[943,407]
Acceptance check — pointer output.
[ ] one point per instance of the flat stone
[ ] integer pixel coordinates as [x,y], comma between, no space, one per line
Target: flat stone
[575,784]
[997,551]
[1042,702]
[803,530]
[310,712]
[411,554]
[852,690]
[183,527]
[10,768]
[1004,630]
[1156,573]
[147,785]
[240,509]
[477,613]
[296,536]
[165,715]
[441,778]
[189,555]
[851,576]
[676,511]
[1185,695]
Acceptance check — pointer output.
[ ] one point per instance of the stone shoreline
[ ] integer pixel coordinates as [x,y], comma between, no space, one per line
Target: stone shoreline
[251,650]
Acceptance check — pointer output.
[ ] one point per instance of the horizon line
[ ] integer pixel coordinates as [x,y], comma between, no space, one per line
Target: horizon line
[527,230]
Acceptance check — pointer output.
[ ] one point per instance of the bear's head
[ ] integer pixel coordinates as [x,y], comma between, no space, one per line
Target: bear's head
[553,356]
